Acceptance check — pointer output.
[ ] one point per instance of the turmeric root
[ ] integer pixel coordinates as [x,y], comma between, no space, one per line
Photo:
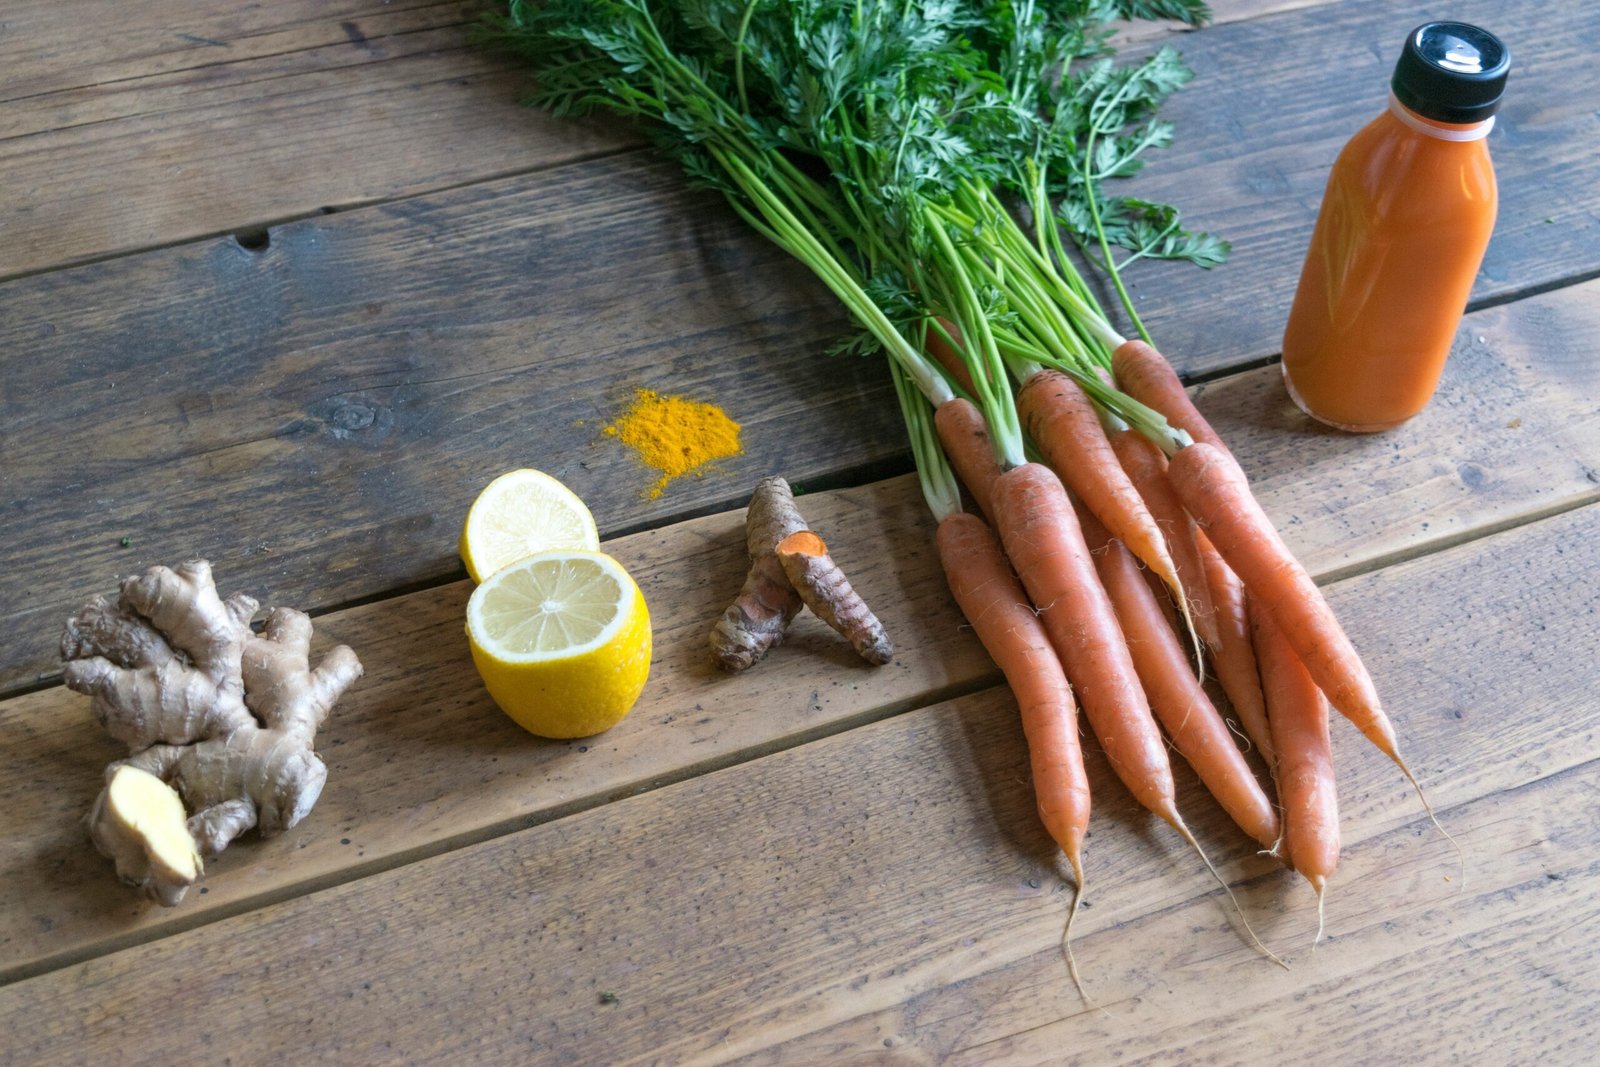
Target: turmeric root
[758,617]
[216,717]
[825,590]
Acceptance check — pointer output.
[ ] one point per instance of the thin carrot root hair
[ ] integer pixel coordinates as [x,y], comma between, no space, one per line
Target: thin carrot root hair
[1320,884]
[1183,831]
[1066,931]
[1461,855]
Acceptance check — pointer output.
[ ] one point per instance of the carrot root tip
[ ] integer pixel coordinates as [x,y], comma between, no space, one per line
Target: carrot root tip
[1194,843]
[1319,884]
[1066,941]
[1461,855]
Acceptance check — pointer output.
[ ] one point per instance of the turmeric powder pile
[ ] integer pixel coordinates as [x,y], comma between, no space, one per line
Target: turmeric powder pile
[675,435]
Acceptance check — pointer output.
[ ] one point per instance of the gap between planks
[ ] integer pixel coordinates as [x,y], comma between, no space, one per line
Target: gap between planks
[1446,542]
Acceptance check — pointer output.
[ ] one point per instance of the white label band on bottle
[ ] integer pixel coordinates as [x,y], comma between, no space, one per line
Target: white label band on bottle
[1476,132]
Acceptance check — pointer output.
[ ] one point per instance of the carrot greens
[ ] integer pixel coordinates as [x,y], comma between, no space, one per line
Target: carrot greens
[891,147]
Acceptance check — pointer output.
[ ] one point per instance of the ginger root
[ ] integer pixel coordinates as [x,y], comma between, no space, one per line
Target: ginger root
[790,569]
[220,717]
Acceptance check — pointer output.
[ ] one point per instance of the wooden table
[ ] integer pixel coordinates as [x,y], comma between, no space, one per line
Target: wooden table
[283,285]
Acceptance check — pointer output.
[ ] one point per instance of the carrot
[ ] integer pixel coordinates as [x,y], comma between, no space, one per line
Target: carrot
[992,599]
[1146,469]
[1144,374]
[1234,660]
[1041,536]
[1213,488]
[965,437]
[946,354]
[1163,596]
[994,603]
[1299,716]
[1195,726]
[1063,423]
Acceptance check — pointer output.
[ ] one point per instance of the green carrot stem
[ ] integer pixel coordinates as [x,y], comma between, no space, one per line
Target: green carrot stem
[803,244]
[939,486]
[988,371]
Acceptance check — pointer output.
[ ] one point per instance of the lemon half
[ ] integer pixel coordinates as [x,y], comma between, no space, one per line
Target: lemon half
[562,641]
[520,513]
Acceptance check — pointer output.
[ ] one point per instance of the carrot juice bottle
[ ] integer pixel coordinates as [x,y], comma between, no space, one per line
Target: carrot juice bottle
[1401,233]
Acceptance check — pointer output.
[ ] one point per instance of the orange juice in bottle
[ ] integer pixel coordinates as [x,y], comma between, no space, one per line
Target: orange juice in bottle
[1404,223]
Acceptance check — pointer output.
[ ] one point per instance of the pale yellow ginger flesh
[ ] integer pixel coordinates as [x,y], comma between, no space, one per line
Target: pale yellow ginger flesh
[221,717]
[141,810]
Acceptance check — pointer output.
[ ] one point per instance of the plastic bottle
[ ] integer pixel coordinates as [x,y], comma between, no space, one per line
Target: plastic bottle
[1404,223]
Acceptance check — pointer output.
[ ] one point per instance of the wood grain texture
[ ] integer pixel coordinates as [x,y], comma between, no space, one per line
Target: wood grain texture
[199,117]
[889,892]
[478,773]
[330,375]
[320,414]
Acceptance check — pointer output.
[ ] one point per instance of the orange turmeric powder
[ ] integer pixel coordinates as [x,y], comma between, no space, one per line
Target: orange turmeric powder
[675,435]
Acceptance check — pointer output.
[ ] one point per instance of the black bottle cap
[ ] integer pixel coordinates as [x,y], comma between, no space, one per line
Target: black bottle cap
[1451,72]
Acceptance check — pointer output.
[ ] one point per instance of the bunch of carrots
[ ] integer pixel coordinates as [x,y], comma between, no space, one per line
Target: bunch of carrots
[924,160]
[1111,572]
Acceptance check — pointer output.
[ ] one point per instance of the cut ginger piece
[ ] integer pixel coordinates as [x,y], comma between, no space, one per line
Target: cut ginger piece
[144,823]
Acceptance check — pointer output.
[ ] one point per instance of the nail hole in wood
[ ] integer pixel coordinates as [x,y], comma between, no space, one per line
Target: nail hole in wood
[257,239]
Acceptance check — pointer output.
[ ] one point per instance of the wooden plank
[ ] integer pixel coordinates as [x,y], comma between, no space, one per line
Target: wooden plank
[1492,975]
[198,118]
[1130,35]
[326,398]
[46,50]
[811,926]
[483,775]
[1344,503]
[1272,102]
[328,377]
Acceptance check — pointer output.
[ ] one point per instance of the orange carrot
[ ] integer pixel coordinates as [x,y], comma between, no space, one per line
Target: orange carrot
[1213,488]
[1299,715]
[994,603]
[1146,469]
[1144,374]
[1234,660]
[948,356]
[1163,596]
[965,437]
[1195,726]
[1063,423]
[1045,544]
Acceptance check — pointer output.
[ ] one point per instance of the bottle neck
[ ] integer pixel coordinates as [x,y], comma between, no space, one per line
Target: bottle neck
[1443,131]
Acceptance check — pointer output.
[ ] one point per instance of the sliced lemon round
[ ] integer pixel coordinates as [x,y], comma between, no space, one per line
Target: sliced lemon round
[562,641]
[520,513]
